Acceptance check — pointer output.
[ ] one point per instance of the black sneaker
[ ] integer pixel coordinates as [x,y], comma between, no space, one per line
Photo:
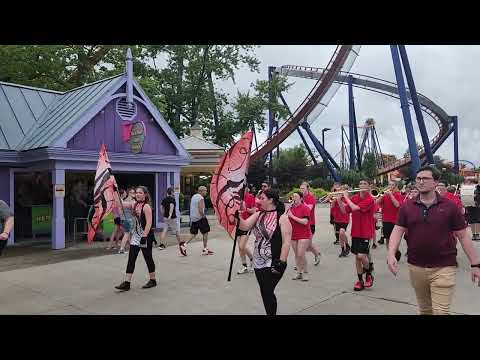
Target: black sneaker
[347,251]
[151,283]
[336,242]
[374,246]
[342,254]
[398,255]
[124,286]
[381,241]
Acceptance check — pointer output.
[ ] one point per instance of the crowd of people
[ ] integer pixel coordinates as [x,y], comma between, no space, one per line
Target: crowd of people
[428,214]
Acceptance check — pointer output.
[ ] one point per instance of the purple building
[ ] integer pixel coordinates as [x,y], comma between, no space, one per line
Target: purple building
[49,145]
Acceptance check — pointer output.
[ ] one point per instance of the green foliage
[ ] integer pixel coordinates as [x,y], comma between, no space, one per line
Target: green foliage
[351,177]
[317,192]
[291,167]
[369,166]
[322,183]
[257,172]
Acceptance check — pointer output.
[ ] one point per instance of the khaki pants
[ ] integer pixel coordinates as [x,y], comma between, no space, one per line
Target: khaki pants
[434,288]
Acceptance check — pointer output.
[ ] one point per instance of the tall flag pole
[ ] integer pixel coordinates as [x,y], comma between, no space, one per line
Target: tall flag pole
[228,185]
[105,196]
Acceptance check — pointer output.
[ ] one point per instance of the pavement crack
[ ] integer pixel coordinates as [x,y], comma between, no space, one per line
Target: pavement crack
[322,301]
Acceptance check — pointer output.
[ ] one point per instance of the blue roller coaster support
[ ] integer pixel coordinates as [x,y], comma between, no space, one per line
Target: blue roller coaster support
[456,168]
[416,104]
[352,122]
[271,121]
[299,132]
[412,145]
[327,159]
[351,111]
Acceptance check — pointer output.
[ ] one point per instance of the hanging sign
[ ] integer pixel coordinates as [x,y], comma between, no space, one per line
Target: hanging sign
[60,190]
[137,137]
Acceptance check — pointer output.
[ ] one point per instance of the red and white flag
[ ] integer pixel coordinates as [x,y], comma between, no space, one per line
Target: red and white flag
[105,195]
[229,181]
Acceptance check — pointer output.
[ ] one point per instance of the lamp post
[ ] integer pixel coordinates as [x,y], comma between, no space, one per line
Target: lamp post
[323,135]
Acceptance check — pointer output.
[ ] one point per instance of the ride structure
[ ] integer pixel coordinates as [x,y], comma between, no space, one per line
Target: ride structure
[328,80]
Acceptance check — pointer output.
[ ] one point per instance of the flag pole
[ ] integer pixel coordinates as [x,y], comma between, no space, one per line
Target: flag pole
[233,250]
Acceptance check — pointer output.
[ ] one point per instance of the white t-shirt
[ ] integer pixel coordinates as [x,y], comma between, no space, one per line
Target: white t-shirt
[194,213]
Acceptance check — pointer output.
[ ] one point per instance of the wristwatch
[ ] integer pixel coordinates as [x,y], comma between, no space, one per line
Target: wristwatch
[475,266]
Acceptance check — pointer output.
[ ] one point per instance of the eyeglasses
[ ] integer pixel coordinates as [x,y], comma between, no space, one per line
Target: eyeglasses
[423,179]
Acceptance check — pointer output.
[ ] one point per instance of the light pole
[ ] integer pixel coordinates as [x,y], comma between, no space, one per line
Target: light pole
[323,135]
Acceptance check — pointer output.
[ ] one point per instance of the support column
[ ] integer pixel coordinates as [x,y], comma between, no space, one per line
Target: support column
[456,168]
[11,239]
[416,104]
[58,218]
[412,144]
[325,156]
[176,187]
[351,110]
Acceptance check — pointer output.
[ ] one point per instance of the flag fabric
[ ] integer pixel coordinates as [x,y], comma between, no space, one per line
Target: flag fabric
[229,181]
[105,195]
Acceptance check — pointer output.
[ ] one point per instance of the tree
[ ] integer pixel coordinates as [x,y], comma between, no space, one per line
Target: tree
[291,167]
[369,166]
[351,177]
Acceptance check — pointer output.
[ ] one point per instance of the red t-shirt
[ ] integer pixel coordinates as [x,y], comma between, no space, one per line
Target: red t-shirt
[249,202]
[363,222]
[455,199]
[339,216]
[389,211]
[300,231]
[309,199]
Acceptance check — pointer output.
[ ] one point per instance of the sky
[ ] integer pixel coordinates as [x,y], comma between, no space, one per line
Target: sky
[448,75]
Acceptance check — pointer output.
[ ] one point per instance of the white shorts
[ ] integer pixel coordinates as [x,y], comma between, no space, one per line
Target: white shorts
[172,225]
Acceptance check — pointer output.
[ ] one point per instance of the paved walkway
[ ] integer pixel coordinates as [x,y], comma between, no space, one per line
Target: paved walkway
[197,285]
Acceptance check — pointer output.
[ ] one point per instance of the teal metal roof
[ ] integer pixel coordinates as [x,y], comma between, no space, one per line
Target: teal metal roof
[65,111]
[21,107]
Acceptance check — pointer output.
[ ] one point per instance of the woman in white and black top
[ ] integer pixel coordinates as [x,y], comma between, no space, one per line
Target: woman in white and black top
[273,232]
[141,238]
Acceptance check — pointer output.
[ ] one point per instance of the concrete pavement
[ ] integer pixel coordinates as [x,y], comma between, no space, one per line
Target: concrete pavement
[197,285]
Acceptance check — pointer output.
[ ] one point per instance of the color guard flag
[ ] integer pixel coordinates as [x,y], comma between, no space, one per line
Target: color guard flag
[229,181]
[105,196]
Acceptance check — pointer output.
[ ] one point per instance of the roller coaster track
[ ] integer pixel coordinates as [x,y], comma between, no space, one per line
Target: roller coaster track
[442,119]
[310,108]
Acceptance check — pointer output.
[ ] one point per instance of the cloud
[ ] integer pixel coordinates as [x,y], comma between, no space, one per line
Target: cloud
[447,75]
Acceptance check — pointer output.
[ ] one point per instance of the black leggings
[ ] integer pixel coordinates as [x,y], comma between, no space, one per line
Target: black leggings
[267,282]
[147,255]
[3,243]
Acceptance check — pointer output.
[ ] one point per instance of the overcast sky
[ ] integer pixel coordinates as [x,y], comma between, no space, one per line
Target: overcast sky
[448,75]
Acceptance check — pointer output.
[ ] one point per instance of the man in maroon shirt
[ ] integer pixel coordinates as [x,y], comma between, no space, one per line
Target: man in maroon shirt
[361,206]
[390,201]
[432,222]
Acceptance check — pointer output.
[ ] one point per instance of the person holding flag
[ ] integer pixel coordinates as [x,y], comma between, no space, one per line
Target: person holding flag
[141,238]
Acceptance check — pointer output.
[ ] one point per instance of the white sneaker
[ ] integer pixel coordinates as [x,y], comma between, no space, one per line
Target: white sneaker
[304,277]
[207,252]
[251,267]
[298,277]
[242,270]
[295,268]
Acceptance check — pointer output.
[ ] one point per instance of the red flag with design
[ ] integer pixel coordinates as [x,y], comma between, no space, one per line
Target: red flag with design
[105,195]
[229,181]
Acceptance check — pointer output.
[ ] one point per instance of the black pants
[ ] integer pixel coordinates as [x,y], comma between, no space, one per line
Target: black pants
[267,282]
[3,243]
[147,255]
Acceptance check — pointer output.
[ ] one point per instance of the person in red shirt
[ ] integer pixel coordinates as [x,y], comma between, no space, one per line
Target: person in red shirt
[310,201]
[361,208]
[341,220]
[299,215]
[442,189]
[248,208]
[390,201]
[336,187]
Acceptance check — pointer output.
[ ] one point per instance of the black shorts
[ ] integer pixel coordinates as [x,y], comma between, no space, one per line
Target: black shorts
[3,244]
[312,229]
[473,214]
[332,220]
[243,232]
[201,225]
[360,246]
[339,226]
[387,229]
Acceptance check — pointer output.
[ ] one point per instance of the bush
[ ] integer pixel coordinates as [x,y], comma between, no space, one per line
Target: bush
[317,192]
